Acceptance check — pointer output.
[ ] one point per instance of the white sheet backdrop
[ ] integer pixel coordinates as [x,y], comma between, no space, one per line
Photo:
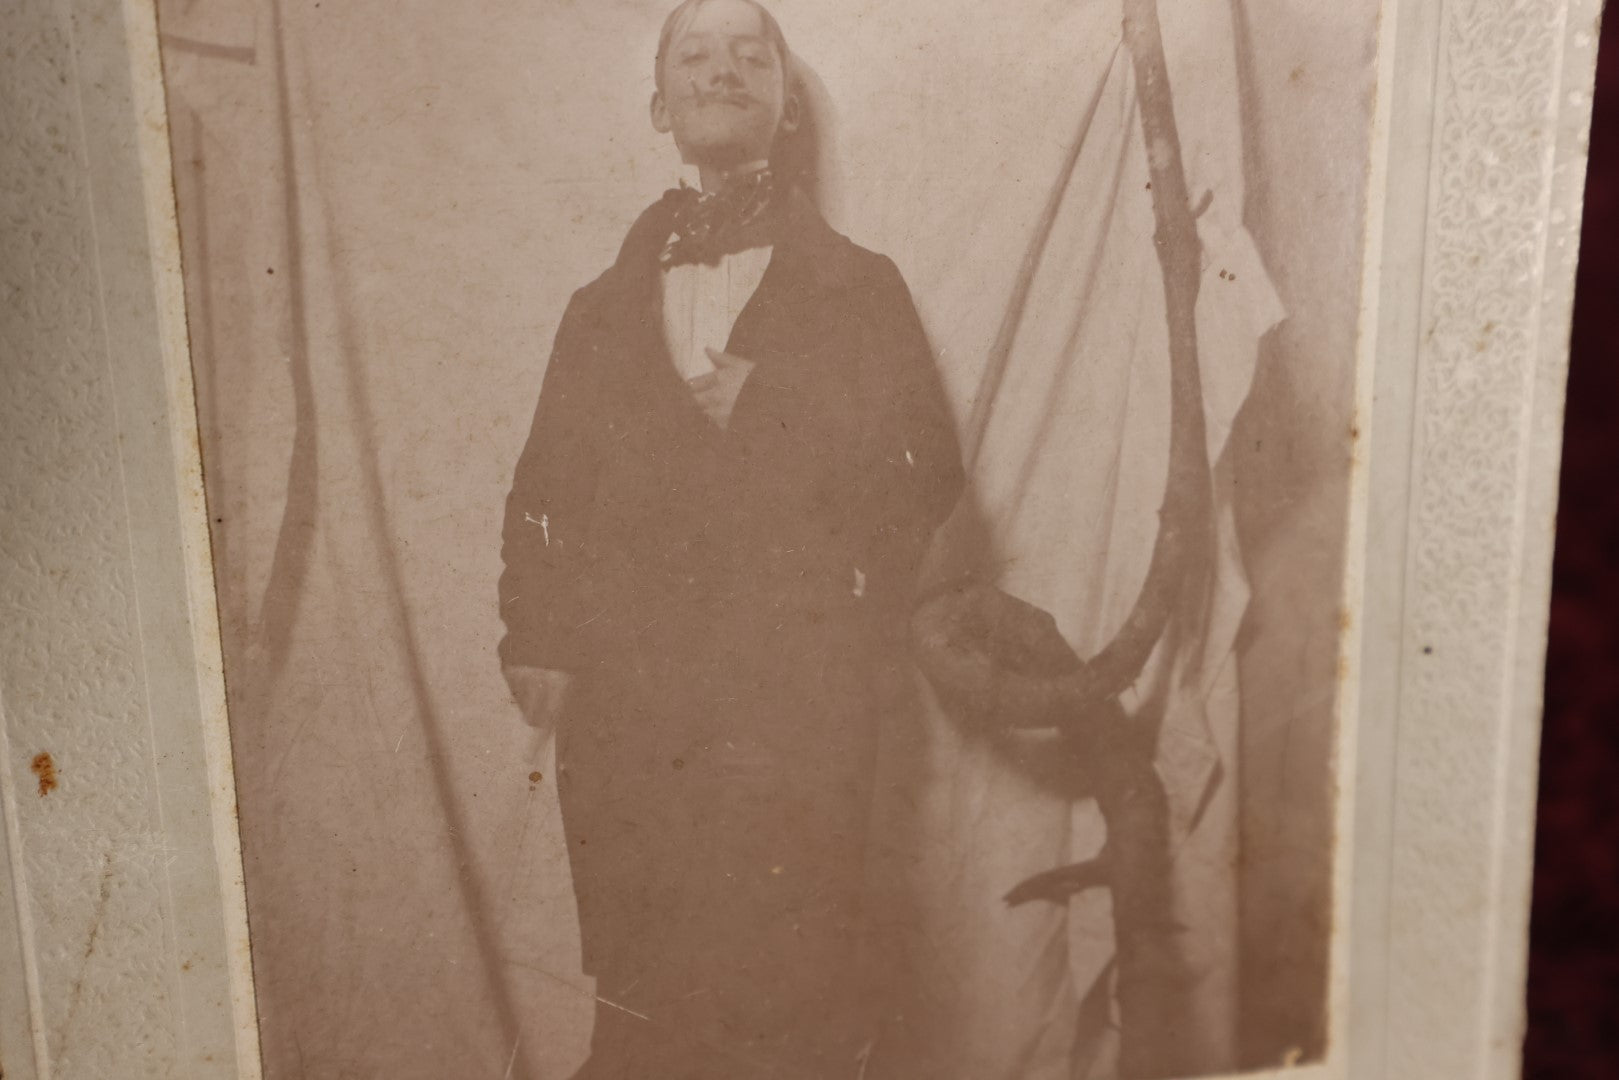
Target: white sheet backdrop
[384,208]
[1070,473]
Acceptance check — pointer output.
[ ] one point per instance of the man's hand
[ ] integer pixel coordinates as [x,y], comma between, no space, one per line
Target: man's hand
[716,392]
[539,693]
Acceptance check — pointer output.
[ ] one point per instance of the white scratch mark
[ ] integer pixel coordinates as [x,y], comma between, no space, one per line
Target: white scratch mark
[864,1057]
[622,1009]
[544,522]
[910,459]
[859,583]
[400,743]
[511,1062]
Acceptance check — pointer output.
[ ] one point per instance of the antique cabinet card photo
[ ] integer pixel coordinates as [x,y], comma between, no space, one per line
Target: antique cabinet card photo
[767,539]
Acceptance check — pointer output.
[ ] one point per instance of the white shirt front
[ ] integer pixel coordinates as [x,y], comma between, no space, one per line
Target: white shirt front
[701,303]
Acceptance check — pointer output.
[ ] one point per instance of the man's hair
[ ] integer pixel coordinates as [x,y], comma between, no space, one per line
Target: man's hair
[683,13]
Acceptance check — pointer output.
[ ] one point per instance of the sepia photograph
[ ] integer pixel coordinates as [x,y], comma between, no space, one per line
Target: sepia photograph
[763,539]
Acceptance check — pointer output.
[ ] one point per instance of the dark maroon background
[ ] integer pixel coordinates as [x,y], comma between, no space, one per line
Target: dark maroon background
[1574,932]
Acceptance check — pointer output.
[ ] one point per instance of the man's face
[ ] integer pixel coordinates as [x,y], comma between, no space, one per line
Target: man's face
[724,91]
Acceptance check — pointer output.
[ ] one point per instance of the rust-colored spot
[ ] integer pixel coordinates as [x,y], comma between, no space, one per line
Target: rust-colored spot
[186,966]
[1345,620]
[535,778]
[45,768]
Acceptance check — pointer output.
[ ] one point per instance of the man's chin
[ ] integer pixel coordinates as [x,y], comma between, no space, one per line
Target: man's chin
[722,153]
[732,144]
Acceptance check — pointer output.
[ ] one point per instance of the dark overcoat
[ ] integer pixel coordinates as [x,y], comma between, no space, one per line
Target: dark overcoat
[732,603]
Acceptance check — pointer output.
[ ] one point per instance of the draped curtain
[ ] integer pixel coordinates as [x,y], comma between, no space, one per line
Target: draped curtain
[1071,454]
[384,209]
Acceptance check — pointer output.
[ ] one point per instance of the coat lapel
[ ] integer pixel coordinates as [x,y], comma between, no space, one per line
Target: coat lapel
[809,263]
[632,311]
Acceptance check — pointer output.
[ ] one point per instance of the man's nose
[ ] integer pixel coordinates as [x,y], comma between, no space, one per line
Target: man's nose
[723,71]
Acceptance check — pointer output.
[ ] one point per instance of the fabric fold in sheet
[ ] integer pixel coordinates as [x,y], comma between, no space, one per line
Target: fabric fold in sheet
[1068,412]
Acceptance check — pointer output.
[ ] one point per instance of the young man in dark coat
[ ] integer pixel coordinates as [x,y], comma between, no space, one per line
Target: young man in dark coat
[740,452]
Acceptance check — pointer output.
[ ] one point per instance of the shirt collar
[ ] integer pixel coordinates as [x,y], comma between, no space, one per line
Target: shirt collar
[806,246]
[691,176]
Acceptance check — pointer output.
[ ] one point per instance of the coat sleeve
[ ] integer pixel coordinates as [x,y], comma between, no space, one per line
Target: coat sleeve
[873,417]
[911,475]
[545,587]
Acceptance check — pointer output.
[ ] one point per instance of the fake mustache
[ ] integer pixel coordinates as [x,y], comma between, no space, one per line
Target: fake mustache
[741,101]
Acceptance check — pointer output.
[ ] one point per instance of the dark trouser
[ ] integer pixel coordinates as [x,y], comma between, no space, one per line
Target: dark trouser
[717,842]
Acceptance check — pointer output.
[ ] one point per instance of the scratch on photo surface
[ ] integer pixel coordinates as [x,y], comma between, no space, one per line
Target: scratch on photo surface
[77,993]
[623,1009]
[570,985]
[528,818]
[511,1062]
[280,763]
[864,1058]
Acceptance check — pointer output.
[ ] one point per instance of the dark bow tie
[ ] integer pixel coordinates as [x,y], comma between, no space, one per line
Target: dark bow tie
[710,225]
